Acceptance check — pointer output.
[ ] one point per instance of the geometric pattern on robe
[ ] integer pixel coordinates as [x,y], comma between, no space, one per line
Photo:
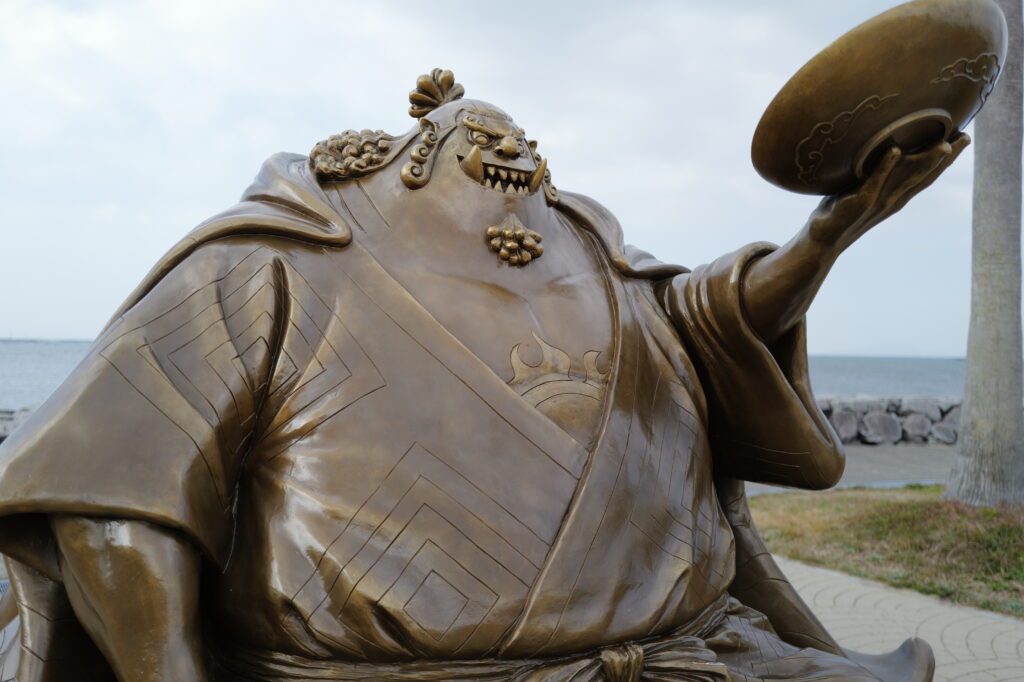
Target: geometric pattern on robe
[266,394]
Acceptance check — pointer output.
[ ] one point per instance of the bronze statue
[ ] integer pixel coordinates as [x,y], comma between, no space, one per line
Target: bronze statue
[407,412]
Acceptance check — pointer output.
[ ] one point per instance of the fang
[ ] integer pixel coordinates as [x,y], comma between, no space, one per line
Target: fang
[538,175]
[472,165]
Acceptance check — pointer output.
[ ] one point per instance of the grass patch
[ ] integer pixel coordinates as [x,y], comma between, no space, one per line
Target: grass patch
[907,538]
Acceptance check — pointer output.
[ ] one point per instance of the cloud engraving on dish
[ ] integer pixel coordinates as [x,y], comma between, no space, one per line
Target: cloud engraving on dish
[811,151]
[984,69]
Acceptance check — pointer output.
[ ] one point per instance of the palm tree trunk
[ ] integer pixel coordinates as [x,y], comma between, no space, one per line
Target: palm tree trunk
[989,466]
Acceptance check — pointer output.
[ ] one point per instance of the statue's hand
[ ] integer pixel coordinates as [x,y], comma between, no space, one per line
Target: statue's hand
[779,288]
[842,219]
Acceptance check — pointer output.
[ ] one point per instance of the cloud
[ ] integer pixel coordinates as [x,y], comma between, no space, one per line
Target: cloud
[134,120]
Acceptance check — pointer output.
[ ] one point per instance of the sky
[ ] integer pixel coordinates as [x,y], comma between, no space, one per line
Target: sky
[127,122]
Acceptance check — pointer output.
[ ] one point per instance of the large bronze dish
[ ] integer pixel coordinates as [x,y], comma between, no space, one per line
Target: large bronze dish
[910,77]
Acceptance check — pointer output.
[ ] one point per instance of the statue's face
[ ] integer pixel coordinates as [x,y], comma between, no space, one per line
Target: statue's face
[459,147]
[466,164]
[493,152]
[463,147]
[478,146]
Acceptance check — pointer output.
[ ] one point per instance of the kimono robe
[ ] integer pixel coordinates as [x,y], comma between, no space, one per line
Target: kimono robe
[378,504]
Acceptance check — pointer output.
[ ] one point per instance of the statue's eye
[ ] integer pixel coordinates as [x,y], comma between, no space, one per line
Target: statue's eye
[478,133]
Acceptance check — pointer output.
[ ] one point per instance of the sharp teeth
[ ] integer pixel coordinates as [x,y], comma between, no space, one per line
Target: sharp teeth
[521,190]
[538,175]
[472,165]
[515,175]
[503,173]
[490,170]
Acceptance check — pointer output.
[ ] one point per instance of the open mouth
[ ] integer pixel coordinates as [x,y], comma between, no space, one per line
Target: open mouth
[501,178]
[506,180]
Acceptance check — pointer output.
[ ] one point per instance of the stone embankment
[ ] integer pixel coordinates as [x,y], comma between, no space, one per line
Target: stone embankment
[10,419]
[878,421]
[870,420]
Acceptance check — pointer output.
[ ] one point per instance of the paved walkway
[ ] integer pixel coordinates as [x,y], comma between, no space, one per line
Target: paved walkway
[970,645]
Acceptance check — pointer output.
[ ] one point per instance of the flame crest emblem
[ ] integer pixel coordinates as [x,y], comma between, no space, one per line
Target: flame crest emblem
[554,376]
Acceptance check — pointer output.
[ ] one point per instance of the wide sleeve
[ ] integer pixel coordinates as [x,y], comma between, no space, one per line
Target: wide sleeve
[765,425]
[154,423]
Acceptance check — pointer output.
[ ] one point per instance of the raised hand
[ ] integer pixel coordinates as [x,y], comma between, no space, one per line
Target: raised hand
[841,220]
[778,289]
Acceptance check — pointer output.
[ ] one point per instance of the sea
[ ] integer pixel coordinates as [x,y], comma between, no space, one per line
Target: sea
[31,370]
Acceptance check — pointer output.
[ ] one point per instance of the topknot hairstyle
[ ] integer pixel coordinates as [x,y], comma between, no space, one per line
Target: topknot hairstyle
[434,90]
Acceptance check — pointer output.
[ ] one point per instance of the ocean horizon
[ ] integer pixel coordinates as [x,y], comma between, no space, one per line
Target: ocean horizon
[31,369]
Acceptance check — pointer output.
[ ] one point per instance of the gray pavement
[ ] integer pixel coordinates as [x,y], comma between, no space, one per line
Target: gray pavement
[970,645]
[886,466]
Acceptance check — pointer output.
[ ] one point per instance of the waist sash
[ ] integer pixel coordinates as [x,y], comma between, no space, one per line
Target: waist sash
[678,656]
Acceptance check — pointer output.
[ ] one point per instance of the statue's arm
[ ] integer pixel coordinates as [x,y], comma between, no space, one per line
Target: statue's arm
[134,587]
[170,394]
[778,289]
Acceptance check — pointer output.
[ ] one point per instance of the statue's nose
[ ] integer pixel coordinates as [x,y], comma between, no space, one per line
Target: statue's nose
[508,147]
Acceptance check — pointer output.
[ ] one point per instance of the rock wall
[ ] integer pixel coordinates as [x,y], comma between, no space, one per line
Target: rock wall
[9,420]
[862,419]
[878,421]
